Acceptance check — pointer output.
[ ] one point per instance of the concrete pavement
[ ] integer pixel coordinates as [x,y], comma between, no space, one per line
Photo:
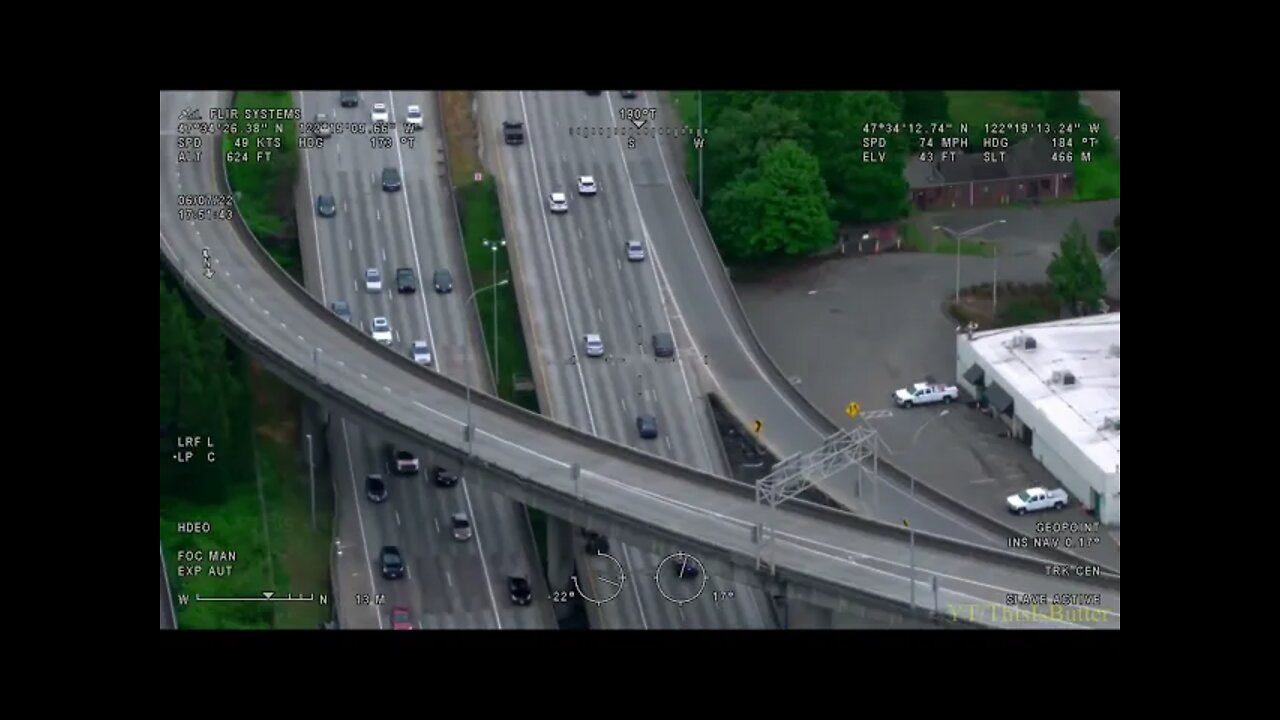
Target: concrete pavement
[859,328]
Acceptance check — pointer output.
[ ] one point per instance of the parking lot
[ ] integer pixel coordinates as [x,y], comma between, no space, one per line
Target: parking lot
[858,328]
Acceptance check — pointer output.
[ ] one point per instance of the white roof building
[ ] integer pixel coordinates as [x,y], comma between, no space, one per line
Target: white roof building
[1057,385]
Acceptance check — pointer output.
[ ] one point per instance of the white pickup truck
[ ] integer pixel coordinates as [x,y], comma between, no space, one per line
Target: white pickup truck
[1036,499]
[925,394]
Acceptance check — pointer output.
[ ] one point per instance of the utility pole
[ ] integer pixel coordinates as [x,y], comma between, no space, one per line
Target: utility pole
[311,467]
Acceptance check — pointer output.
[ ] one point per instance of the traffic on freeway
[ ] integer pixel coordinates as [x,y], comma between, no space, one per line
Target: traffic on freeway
[595,313]
[406,235]
[325,355]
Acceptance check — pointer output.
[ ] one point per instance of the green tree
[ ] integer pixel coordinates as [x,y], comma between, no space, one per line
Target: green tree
[1062,105]
[781,208]
[1074,274]
[861,191]
[925,106]
[742,137]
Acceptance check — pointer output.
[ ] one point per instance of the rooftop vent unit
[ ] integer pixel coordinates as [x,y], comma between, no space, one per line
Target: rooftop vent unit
[1029,343]
[1111,423]
[1114,351]
[1063,377]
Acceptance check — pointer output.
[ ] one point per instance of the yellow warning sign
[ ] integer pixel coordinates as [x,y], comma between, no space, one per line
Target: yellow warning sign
[852,409]
[757,426]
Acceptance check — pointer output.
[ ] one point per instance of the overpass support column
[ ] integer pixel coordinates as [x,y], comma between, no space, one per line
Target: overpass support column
[803,616]
[560,561]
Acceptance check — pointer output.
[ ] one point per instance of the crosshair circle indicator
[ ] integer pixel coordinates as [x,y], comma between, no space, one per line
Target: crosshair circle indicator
[606,577]
[680,578]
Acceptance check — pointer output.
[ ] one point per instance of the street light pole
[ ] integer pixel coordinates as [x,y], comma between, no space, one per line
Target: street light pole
[493,247]
[913,442]
[311,466]
[958,237]
[995,283]
[911,532]
[470,430]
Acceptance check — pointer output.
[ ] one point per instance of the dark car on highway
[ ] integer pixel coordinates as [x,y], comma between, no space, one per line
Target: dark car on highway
[663,345]
[512,132]
[628,94]
[325,206]
[684,568]
[405,281]
[443,280]
[392,562]
[341,309]
[443,477]
[648,426]
[348,98]
[596,543]
[521,591]
[390,179]
[376,488]
[593,92]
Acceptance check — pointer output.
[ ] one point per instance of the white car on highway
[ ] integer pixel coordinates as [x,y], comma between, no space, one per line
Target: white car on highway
[635,250]
[559,203]
[592,343]
[421,352]
[373,280]
[586,185]
[380,113]
[413,116]
[381,330]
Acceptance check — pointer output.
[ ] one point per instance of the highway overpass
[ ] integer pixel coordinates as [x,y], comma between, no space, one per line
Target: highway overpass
[823,556]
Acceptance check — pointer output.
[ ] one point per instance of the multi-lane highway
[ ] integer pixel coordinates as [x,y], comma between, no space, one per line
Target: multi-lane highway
[450,583]
[575,279]
[311,348]
[710,324]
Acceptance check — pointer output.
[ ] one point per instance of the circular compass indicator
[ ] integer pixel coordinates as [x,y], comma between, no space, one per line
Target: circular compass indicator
[681,578]
[604,578]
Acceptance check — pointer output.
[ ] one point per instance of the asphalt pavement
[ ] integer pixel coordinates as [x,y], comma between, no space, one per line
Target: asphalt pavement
[576,279]
[860,328]
[450,584]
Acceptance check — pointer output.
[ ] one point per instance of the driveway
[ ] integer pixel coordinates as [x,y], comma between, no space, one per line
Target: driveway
[859,328]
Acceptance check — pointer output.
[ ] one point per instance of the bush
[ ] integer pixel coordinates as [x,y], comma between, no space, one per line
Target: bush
[1108,240]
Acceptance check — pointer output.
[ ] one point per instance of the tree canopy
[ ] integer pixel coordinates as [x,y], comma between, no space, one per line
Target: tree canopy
[829,128]
[780,207]
[1074,273]
[203,392]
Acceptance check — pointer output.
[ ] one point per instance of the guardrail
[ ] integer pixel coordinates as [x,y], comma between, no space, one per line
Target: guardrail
[818,418]
[164,569]
[544,424]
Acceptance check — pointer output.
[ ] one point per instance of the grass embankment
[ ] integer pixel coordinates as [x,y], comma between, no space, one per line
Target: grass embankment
[262,177]
[936,241]
[1097,179]
[267,526]
[481,217]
